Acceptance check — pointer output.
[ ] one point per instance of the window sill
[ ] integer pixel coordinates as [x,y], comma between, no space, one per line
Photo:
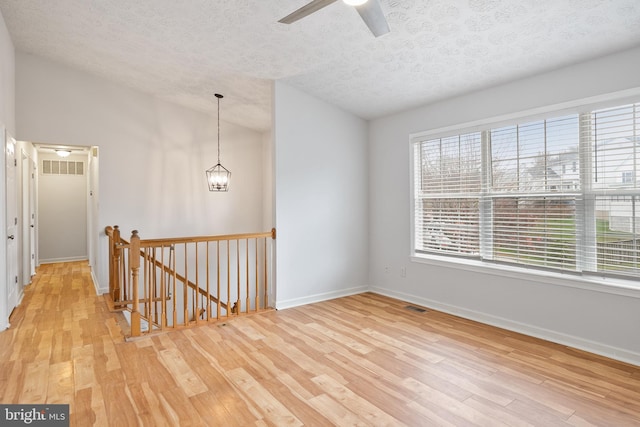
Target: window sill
[608,285]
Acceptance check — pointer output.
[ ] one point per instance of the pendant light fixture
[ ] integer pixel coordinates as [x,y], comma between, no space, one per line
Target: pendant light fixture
[218,176]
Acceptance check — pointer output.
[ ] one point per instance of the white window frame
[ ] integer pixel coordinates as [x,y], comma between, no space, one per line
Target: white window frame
[614,285]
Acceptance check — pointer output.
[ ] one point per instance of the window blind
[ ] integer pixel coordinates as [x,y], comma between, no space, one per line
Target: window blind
[538,231]
[447,191]
[534,190]
[615,185]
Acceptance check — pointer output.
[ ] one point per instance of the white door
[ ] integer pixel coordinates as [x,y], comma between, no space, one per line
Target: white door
[27,224]
[13,286]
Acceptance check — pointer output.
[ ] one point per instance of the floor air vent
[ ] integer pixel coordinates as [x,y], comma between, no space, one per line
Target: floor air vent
[416,309]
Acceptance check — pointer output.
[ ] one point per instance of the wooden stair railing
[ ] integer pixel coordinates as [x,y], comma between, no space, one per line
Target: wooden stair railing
[217,277]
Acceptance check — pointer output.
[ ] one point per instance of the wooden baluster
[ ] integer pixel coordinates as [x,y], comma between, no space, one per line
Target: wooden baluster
[123,273]
[146,285]
[148,279]
[272,250]
[174,295]
[155,286]
[208,286]
[108,231]
[266,276]
[218,281]
[228,282]
[196,305]
[246,262]
[163,292]
[185,301]
[151,260]
[117,253]
[134,265]
[238,307]
[257,290]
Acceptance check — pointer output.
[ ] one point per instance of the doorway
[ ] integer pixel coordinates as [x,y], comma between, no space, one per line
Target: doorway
[63,204]
[22,165]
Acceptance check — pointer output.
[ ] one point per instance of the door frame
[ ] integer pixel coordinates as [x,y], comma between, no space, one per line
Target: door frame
[13,285]
[4,289]
[91,156]
[27,215]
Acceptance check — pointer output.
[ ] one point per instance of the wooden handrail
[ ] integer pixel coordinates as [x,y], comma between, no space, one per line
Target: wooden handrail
[146,290]
[150,243]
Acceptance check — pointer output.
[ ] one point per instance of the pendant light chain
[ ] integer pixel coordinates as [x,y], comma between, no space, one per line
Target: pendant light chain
[218,96]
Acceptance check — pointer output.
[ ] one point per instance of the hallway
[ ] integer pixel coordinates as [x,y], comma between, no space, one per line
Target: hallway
[60,347]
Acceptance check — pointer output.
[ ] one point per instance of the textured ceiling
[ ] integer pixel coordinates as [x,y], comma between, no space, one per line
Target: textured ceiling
[186,50]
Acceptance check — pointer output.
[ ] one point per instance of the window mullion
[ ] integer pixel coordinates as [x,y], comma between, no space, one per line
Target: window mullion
[486,202]
[586,220]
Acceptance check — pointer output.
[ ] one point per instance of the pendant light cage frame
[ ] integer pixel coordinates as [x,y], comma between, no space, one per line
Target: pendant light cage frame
[218,177]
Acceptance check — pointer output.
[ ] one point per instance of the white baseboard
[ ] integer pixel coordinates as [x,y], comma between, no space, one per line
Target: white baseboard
[295,302]
[96,284]
[534,331]
[68,259]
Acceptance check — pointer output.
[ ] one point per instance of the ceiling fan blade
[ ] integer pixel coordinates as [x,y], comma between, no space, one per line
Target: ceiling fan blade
[306,10]
[372,15]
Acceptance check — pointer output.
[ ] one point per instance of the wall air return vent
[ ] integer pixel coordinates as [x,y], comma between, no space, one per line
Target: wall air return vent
[62,167]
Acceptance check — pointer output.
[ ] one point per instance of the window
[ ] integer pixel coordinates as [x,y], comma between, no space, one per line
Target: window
[449,193]
[532,197]
[560,193]
[616,195]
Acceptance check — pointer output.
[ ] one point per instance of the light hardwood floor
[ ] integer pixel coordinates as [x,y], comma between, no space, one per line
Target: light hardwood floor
[360,360]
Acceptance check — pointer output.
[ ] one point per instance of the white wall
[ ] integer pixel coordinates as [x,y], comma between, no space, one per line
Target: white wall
[321,199]
[7,79]
[601,322]
[152,154]
[7,120]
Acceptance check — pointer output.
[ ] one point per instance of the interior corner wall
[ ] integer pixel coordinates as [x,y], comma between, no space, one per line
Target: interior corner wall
[7,120]
[267,183]
[152,154]
[321,199]
[600,322]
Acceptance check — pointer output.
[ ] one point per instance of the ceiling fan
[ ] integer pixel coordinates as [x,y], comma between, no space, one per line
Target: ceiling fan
[369,10]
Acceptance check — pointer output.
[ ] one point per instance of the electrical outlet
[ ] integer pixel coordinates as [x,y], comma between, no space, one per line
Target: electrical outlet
[386,270]
[403,271]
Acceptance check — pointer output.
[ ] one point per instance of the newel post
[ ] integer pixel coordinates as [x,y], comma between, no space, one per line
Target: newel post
[115,264]
[134,265]
[108,231]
